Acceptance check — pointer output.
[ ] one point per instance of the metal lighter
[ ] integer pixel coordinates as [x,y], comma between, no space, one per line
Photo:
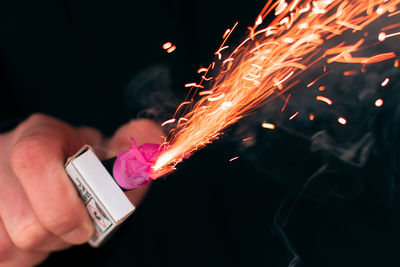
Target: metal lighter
[105,201]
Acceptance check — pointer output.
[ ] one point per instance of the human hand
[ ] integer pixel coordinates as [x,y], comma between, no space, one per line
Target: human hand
[40,210]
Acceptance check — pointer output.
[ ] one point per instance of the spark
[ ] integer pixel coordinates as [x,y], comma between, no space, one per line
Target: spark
[350,73]
[294,4]
[267,125]
[383,36]
[166,45]
[207,78]
[322,88]
[342,120]
[396,63]
[194,85]
[294,115]
[227,60]
[259,20]
[218,53]
[216,97]
[306,9]
[247,139]
[296,40]
[316,80]
[379,103]
[202,70]
[171,49]
[226,105]
[208,92]
[167,122]
[226,33]
[378,58]
[284,79]
[281,7]
[394,14]
[286,102]
[312,117]
[385,82]
[182,120]
[324,99]
[232,159]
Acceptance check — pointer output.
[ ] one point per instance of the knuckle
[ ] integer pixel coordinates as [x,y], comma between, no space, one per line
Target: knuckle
[28,152]
[90,135]
[37,118]
[145,123]
[147,130]
[34,119]
[30,236]
[62,222]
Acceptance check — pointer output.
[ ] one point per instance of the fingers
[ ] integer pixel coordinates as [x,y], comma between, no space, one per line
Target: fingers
[7,249]
[37,159]
[10,256]
[22,225]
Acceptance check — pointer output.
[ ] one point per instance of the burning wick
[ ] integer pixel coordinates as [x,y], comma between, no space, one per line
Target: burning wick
[132,169]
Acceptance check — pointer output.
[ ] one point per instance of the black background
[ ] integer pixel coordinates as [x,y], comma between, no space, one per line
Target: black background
[74,60]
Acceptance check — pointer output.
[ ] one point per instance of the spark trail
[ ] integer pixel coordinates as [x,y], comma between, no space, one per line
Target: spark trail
[268,63]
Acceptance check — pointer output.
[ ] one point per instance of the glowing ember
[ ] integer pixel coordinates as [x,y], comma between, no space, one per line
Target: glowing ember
[379,102]
[312,117]
[342,120]
[268,63]
[267,125]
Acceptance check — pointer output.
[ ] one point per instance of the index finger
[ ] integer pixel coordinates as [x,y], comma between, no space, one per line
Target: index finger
[37,159]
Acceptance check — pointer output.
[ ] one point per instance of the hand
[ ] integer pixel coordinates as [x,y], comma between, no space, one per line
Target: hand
[40,210]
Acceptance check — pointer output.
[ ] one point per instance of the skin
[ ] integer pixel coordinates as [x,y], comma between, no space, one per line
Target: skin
[34,185]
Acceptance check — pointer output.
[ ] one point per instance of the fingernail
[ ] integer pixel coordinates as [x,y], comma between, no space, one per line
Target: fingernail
[79,235]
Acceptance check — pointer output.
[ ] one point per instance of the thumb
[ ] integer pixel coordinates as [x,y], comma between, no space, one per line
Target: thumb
[143,131]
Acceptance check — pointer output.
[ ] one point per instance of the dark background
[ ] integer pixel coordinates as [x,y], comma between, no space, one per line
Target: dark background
[75,60]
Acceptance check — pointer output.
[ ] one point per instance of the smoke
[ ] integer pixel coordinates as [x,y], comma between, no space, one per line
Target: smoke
[316,155]
[325,151]
[150,92]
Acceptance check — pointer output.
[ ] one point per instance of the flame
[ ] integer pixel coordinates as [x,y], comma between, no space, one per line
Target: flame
[267,63]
